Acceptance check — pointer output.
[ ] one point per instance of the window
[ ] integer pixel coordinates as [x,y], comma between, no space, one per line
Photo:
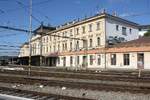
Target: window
[50,48]
[126,59]
[70,32]
[70,45]
[98,26]
[124,31]
[113,59]
[130,31]
[65,46]
[117,27]
[46,48]
[64,61]
[91,42]
[47,39]
[140,60]
[54,48]
[77,30]
[58,47]
[71,60]
[63,33]
[98,41]
[99,60]
[91,59]
[77,45]
[85,44]
[78,60]
[90,27]
[50,38]
[83,29]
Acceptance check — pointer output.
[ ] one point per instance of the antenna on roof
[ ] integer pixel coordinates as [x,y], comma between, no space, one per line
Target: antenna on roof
[114,13]
[78,19]
[97,9]
[42,23]
[103,11]
[85,16]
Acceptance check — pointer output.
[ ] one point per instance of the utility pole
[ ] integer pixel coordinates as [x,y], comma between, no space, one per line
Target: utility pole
[41,45]
[30,35]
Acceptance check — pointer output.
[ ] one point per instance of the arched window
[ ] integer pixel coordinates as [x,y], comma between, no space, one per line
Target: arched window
[91,42]
[98,41]
[70,45]
[77,45]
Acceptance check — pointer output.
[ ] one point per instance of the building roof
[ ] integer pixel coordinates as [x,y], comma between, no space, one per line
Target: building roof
[143,41]
[26,43]
[144,27]
[44,29]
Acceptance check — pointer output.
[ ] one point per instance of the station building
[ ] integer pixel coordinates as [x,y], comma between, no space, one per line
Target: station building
[96,42]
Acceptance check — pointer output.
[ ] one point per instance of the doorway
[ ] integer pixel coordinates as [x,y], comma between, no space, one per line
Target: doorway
[84,64]
[140,60]
[64,61]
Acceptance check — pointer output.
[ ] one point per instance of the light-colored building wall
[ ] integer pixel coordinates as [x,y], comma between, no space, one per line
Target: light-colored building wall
[133,60]
[131,30]
[24,51]
[120,61]
[101,27]
[146,60]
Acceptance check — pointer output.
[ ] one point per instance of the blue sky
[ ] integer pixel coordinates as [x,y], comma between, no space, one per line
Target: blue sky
[56,12]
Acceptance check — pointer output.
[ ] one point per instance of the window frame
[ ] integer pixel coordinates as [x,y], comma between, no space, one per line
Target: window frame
[113,58]
[90,27]
[98,59]
[98,26]
[83,29]
[124,31]
[117,27]
[98,41]
[126,59]
[91,43]
[91,59]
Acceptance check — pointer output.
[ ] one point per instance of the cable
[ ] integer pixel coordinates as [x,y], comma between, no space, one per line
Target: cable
[8,49]
[10,42]
[8,35]
[34,4]
[24,6]
[9,46]
[136,14]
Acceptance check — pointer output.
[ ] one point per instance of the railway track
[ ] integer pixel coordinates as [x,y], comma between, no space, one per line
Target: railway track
[76,84]
[95,76]
[108,72]
[39,76]
[36,95]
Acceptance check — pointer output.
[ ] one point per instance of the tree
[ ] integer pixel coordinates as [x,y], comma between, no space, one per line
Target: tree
[147,34]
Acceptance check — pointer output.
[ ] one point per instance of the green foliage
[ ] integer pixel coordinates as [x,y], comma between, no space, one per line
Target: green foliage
[147,34]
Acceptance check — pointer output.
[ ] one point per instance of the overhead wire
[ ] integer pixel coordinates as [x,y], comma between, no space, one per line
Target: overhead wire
[24,6]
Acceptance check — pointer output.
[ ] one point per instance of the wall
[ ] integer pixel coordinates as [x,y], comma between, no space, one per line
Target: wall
[111,30]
